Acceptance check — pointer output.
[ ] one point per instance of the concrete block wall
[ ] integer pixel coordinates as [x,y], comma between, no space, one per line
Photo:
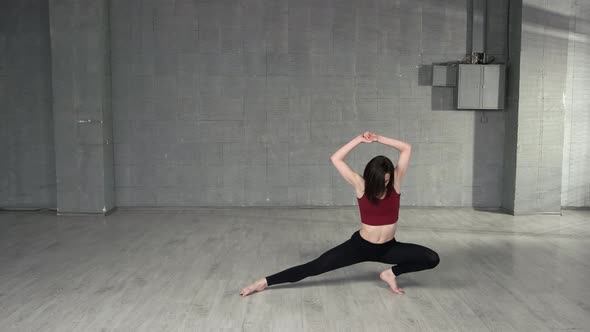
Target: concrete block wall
[81,86]
[242,102]
[497,29]
[27,165]
[511,106]
[575,190]
[548,93]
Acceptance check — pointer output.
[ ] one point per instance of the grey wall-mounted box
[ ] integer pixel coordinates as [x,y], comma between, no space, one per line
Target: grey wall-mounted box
[444,75]
[480,86]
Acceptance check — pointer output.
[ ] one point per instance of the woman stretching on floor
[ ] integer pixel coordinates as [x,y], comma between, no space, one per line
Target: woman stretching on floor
[378,193]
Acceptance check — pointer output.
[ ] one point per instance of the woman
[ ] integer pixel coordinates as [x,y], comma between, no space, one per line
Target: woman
[378,193]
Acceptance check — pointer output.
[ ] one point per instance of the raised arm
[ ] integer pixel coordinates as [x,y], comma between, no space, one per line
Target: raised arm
[405,150]
[347,173]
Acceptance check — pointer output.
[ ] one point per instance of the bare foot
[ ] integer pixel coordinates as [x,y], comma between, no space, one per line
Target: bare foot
[257,286]
[389,278]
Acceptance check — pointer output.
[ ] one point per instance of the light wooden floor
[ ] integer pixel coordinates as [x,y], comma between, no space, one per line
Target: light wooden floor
[181,270]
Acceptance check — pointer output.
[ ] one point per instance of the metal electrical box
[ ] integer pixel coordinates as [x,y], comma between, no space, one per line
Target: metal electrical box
[481,86]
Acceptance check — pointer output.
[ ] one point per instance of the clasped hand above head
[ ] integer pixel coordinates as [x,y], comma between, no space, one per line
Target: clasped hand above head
[369,137]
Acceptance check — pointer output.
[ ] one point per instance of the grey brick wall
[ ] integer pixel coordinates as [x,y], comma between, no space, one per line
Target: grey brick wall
[547,161]
[242,102]
[81,86]
[576,153]
[27,165]
[511,106]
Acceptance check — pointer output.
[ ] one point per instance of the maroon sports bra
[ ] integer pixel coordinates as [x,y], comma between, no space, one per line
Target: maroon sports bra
[385,212]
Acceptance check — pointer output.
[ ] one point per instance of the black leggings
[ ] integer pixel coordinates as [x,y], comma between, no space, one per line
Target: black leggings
[407,257]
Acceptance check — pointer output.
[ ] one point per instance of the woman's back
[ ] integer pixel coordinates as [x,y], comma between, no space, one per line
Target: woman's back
[374,233]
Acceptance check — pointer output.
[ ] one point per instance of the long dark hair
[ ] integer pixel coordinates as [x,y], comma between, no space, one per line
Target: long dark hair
[374,176]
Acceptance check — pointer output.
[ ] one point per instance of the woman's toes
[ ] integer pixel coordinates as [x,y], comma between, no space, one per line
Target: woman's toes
[245,291]
[399,291]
